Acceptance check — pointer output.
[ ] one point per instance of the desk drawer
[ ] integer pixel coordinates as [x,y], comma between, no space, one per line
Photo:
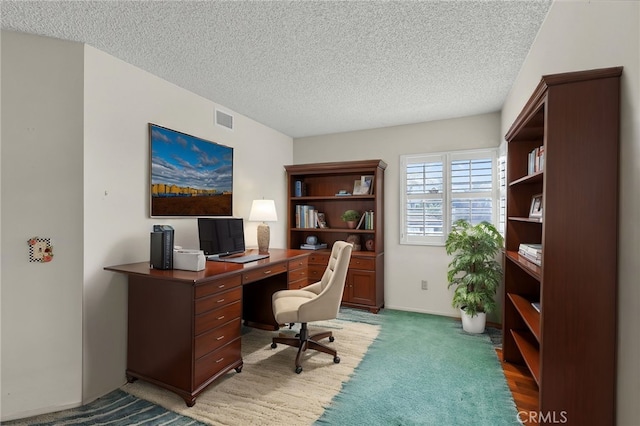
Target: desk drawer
[319,259]
[368,264]
[214,339]
[212,319]
[218,300]
[266,271]
[217,286]
[298,274]
[298,263]
[297,285]
[316,272]
[209,365]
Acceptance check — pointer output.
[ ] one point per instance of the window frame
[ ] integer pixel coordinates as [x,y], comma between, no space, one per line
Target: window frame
[446,158]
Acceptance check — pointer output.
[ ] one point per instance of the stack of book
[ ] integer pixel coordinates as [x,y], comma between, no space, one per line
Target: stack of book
[313,246]
[531,252]
[536,160]
[306,216]
[366,220]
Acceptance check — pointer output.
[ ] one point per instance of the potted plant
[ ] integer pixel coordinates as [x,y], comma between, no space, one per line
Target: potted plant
[351,217]
[474,271]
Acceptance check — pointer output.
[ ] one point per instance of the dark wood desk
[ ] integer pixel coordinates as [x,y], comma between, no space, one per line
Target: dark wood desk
[184,326]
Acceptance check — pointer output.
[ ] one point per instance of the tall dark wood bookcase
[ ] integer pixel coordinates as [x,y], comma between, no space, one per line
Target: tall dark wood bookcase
[569,346]
[319,185]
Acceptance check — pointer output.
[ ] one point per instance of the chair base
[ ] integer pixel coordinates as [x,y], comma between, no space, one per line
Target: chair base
[303,341]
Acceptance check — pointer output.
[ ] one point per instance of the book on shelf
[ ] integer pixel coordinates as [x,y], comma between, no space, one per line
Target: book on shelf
[531,252]
[536,160]
[306,216]
[534,250]
[531,259]
[313,246]
[299,189]
[366,221]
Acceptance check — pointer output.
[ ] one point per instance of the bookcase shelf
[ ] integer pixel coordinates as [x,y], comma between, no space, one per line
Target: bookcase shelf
[569,346]
[528,313]
[530,353]
[529,179]
[316,186]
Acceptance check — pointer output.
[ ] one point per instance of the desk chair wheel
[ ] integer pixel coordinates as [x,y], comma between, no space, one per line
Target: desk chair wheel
[336,360]
[273,346]
[331,338]
[298,370]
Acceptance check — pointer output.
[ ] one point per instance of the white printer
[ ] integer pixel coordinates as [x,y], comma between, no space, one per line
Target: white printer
[188,260]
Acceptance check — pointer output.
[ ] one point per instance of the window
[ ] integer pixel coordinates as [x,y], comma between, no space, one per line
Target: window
[438,189]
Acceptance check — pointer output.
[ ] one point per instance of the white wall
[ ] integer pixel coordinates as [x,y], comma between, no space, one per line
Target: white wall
[99,108]
[405,265]
[586,35]
[41,168]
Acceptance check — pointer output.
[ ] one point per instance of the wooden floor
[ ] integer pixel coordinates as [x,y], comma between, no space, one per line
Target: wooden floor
[523,388]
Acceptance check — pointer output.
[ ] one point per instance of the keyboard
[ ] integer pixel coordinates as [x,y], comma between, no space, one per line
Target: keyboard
[239,259]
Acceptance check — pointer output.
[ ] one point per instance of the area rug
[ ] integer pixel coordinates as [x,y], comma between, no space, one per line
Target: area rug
[117,408]
[268,391]
[425,370]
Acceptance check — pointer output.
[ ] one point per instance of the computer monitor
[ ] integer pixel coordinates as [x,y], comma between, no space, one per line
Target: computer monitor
[221,236]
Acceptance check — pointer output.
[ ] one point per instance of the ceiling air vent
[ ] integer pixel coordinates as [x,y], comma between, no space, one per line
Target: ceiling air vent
[224,119]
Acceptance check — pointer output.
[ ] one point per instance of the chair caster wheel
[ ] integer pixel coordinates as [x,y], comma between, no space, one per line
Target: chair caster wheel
[273,346]
[336,360]
[331,338]
[298,370]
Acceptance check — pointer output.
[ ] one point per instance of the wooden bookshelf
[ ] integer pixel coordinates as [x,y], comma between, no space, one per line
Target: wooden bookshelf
[320,182]
[569,346]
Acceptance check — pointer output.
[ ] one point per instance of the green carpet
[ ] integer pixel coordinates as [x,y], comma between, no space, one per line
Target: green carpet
[424,370]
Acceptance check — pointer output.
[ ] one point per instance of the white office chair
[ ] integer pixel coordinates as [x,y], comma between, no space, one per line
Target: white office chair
[316,302]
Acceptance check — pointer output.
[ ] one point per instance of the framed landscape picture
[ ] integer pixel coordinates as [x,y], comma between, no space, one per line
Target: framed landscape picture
[189,176]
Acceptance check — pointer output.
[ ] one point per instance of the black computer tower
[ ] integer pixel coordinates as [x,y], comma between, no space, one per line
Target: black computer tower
[162,247]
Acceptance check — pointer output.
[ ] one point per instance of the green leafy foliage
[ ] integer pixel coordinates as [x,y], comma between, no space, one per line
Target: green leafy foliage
[350,215]
[474,270]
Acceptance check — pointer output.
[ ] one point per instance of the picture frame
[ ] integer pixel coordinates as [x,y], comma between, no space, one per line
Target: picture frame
[322,221]
[535,211]
[188,176]
[367,181]
[358,189]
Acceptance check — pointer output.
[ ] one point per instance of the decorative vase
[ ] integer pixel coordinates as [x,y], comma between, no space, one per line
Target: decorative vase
[473,324]
[351,224]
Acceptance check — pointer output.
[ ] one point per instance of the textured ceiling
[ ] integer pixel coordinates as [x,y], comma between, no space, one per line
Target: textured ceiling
[311,67]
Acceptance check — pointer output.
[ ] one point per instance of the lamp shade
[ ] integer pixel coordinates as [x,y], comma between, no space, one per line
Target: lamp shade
[263,210]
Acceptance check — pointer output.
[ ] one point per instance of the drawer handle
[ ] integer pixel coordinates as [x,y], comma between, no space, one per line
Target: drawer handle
[220,360]
[219,318]
[221,300]
[267,272]
[222,286]
[220,338]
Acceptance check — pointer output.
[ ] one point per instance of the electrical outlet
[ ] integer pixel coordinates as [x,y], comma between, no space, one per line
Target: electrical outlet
[425,285]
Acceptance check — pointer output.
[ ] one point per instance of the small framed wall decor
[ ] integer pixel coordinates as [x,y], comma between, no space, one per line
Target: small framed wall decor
[40,249]
[535,211]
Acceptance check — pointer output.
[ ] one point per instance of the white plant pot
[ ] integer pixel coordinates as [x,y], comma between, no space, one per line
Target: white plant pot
[473,324]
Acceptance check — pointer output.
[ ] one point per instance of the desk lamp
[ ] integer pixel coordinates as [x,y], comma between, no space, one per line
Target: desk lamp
[263,210]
